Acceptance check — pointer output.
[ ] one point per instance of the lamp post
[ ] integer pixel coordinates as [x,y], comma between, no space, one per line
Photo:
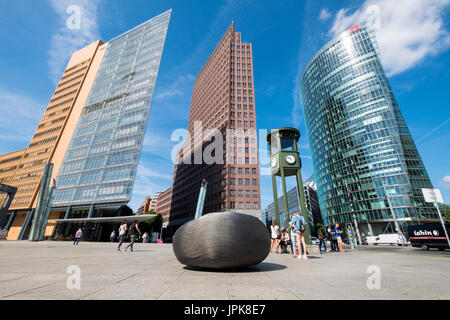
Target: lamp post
[201,199]
[284,162]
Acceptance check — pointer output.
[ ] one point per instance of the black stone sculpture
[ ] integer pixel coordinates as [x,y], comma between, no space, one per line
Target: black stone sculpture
[222,240]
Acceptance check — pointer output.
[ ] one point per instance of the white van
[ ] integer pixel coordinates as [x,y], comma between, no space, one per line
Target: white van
[390,238]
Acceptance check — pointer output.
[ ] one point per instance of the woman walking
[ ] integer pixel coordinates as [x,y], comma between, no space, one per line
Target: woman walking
[78,236]
[122,233]
[299,225]
[275,235]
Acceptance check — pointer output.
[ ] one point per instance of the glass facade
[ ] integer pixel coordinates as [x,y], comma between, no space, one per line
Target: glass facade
[364,158]
[101,161]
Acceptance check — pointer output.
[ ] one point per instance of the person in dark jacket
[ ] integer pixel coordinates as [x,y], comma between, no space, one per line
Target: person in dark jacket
[132,231]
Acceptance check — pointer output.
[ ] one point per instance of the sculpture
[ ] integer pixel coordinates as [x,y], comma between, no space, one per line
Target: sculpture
[222,240]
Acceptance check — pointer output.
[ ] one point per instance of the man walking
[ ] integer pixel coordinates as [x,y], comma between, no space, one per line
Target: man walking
[133,228]
[321,237]
[122,233]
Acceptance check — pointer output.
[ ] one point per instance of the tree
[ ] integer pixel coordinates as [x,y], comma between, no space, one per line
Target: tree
[445,210]
[153,224]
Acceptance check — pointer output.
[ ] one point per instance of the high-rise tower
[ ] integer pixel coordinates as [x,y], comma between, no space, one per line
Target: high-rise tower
[222,99]
[365,161]
[92,130]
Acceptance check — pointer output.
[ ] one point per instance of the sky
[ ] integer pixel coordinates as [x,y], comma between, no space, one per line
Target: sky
[413,36]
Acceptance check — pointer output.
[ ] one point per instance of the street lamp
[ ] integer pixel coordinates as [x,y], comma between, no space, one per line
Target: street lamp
[397,228]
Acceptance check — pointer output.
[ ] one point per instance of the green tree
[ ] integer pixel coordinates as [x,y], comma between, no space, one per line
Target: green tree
[153,224]
[445,210]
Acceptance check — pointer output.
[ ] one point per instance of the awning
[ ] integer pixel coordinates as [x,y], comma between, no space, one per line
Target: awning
[139,218]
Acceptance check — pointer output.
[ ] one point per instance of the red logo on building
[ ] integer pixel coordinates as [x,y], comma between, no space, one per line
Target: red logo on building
[354,28]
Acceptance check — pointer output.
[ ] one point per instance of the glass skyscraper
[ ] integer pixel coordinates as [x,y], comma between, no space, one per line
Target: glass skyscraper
[101,161]
[365,161]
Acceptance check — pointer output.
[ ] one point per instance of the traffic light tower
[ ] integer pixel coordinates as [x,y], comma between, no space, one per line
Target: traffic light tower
[284,162]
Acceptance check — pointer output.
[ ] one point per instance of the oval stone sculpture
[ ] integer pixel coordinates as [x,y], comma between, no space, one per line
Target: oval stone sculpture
[222,240]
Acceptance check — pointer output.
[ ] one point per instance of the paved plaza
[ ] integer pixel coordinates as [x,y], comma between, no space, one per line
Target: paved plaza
[39,271]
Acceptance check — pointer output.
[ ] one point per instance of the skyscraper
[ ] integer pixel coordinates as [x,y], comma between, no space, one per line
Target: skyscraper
[52,136]
[94,126]
[365,161]
[101,162]
[222,99]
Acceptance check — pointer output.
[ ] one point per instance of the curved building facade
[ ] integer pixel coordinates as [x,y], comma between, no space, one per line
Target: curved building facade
[365,161]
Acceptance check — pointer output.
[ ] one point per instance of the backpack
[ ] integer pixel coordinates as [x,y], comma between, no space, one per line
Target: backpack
[301,225]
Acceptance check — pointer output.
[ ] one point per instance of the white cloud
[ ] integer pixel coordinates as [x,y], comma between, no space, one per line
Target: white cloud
[181,86]
[445,182]
[408,31]
[296,112]
[65,41]
[324,14]
[20,117]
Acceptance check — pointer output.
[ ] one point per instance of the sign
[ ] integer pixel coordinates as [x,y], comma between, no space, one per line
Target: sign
[432,195]
[355,28]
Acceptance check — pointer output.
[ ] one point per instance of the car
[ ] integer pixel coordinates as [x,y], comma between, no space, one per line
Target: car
[314,240]
[389,238]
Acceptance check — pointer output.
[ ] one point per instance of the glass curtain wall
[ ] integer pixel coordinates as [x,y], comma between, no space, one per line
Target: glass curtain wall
[364,158]
[100,164]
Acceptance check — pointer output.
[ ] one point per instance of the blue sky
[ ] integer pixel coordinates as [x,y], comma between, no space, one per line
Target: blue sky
[414,42]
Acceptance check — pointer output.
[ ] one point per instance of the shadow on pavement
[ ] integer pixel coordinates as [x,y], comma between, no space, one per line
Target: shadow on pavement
[262,267]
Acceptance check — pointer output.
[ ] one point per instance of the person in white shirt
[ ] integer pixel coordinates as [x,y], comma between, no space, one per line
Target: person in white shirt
[122,233]
[275,236]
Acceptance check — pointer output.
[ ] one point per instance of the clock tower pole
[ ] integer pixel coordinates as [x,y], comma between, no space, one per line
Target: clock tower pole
[284,162]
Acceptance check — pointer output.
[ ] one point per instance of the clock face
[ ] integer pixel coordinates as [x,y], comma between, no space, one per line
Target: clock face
[290,159]
[273,163]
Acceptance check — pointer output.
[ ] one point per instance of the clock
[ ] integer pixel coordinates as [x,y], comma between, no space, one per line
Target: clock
[290,159]
[273,163]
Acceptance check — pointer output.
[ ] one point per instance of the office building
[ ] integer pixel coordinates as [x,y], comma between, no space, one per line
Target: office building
[311,201]
[222,99]
[51,138]
[93,128]
[364,158]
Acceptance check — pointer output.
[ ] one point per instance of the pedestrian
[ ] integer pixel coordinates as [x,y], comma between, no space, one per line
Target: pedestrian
[112,236]
[145,237]
[333,240]
[78,236]
[299,224]
[133,228]
[122,233]
[293,238]
[284,241]
[338,234]
[275,235]
[321,237]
